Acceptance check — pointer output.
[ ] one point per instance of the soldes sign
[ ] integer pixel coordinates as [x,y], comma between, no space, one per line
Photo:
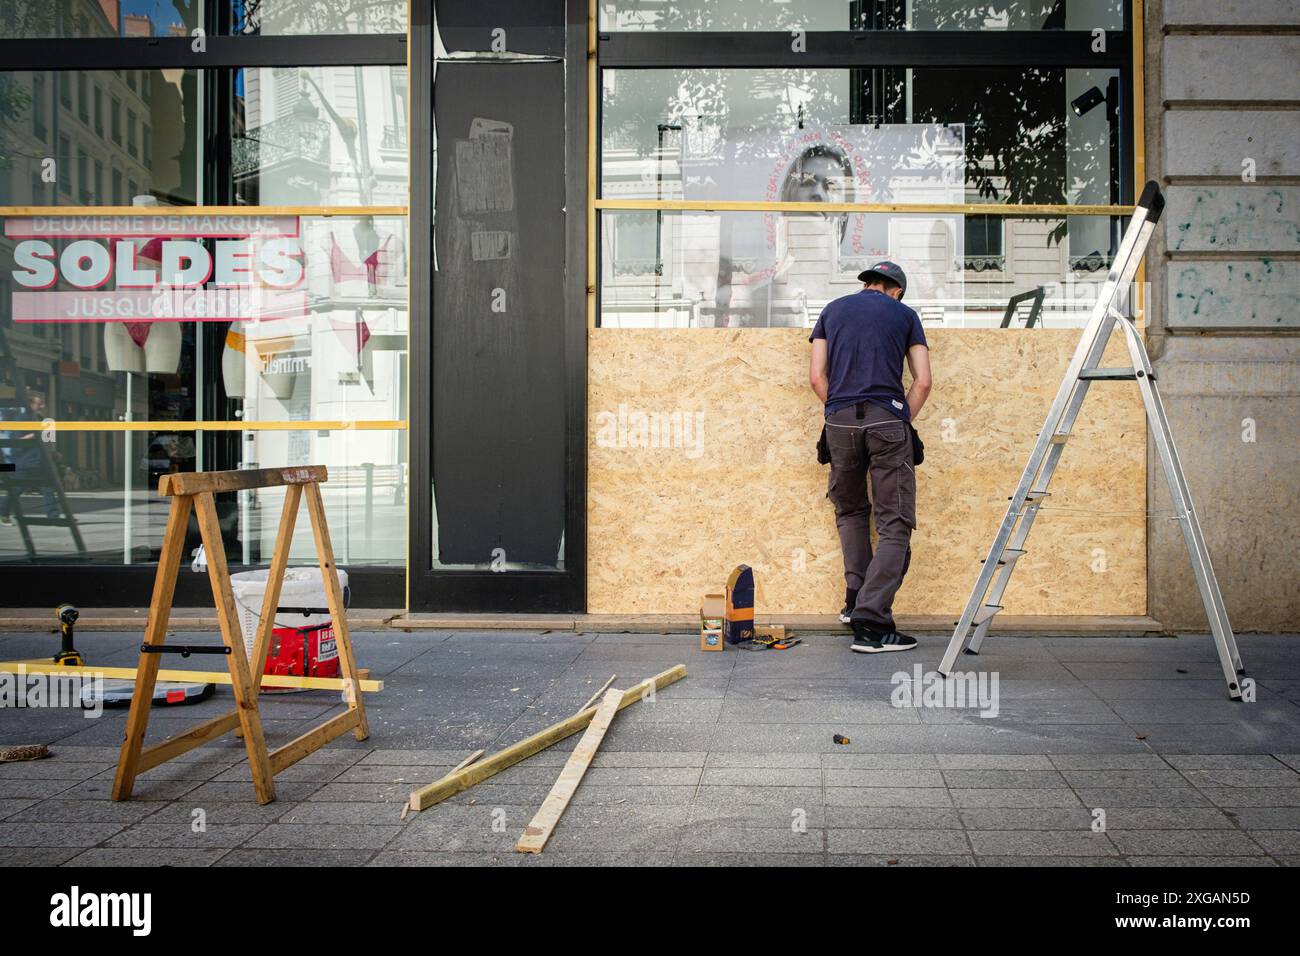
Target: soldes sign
[156,268]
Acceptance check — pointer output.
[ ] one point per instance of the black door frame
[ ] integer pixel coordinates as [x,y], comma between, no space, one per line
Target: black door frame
[432,589]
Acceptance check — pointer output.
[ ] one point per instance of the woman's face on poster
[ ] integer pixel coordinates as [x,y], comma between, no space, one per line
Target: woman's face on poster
[817,179]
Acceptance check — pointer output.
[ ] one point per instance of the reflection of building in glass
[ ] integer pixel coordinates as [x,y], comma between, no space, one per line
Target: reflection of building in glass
[328,137]
[89,138]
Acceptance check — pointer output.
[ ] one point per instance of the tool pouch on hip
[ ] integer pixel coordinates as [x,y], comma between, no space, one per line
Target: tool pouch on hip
[918,446]
[823,449]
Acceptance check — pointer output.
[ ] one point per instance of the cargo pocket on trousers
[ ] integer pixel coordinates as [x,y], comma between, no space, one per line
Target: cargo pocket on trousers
[843,444]
[907,495]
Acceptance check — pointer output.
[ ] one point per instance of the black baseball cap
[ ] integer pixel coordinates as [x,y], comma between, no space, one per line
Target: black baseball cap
[885,270]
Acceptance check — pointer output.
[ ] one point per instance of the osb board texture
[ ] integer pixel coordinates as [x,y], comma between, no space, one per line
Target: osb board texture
[666,525]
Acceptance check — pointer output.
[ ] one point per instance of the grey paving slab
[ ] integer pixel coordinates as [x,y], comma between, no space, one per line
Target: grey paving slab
[118,857]
[1239,777]
[1185,842]
[1265,818]
[879,777]
[776,761]
[761,776]
[784,797]
[1138,760]
[1278,842]
[1120,779]
[290,836]
[86,811]
[902,859]
[184,812]
[709,837]
[1053,860]
[1111,797]
[1040,843]
[897,841]
[1252,796]
[995,797]
[892,818]
[888,797]
[55,833]
[13,805]
[731,860]
[1003,779]
[812,816]
[1198,862]
[312,857]
[846,758]
[994,762]
[1033,818]
[49,769]
[1264,762]
[1168,818]
[38,855]
[181,835]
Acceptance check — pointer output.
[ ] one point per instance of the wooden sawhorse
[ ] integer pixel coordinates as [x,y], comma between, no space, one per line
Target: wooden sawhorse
[196,491]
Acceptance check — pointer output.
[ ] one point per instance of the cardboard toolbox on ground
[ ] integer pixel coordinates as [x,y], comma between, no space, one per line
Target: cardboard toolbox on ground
[713,612]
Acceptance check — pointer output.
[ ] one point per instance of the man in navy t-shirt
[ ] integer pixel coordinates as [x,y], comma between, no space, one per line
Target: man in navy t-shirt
[859,345]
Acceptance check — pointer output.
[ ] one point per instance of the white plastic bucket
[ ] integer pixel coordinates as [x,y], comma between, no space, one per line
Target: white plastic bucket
[302,587]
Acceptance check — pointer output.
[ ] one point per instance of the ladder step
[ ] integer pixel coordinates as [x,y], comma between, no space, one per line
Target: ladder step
[1034,495]
[1109,374]
[1009,556]
[1060,438]
[45,522]
[985,613]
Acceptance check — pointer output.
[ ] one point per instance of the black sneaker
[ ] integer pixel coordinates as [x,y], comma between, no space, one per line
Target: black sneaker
[869,641]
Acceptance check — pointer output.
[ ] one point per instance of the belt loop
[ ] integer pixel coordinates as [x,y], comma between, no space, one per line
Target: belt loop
[861,409]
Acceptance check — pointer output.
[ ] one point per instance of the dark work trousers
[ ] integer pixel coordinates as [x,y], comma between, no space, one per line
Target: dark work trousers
[866,440]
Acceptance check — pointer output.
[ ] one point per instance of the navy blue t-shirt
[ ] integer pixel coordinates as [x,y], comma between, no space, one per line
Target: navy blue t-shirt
[867,337]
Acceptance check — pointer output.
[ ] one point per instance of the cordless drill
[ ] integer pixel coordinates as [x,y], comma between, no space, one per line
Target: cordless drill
[68,655]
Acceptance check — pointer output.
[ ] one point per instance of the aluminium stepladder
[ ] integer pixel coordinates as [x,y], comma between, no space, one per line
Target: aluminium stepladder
[1009,543]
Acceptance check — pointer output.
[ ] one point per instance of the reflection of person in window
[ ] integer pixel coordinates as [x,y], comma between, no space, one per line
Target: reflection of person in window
[820,174]
[29,467]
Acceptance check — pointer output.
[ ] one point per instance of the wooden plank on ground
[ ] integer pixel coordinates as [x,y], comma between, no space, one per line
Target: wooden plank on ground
[461,780]
[543,823]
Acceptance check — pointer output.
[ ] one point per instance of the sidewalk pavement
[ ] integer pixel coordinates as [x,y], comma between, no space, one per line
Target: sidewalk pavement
[1104,751]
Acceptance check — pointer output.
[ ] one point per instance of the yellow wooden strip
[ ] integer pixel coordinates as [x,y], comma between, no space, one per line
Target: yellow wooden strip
[187,677]
[952,209]
[543,824]
[462,780]
[193,426]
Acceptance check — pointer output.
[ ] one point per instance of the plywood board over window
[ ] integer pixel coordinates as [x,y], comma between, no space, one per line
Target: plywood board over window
[701,457]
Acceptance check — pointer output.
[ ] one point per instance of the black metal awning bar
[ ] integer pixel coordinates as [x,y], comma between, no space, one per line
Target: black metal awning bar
[158,53]
[821,49]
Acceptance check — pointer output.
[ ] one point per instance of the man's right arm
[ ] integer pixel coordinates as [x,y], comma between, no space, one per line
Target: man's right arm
[918,361]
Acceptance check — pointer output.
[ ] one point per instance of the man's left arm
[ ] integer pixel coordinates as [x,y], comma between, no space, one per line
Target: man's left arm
[819,369]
